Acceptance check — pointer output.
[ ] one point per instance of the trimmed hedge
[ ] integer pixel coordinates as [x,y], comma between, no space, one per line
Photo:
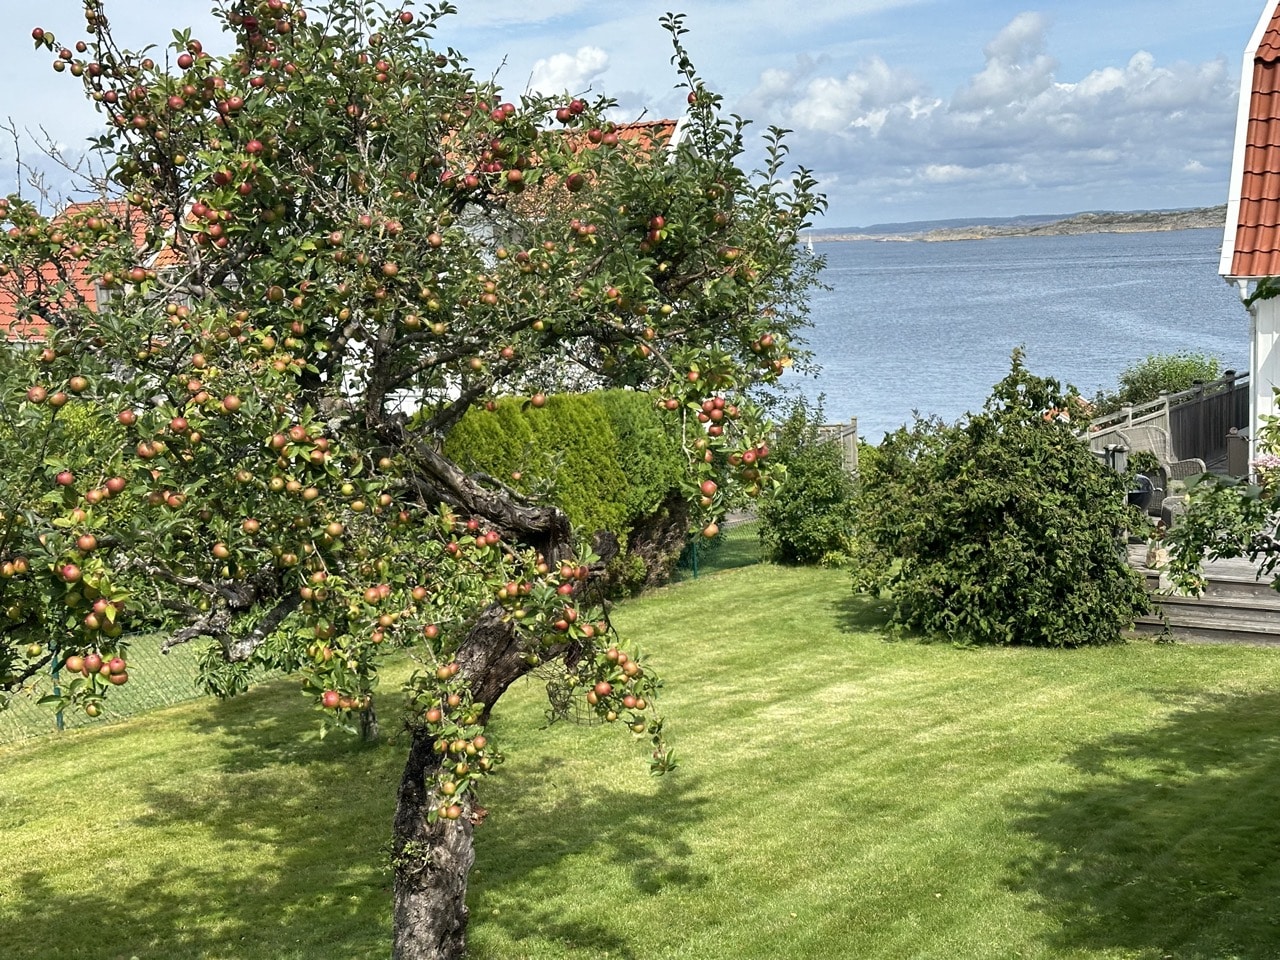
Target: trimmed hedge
[607,459]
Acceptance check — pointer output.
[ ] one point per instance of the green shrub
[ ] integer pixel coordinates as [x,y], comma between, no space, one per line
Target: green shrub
[569,444]
[1000,529]
[1145,380]
[809,518]
[657,513]
[650,452]
[612,462]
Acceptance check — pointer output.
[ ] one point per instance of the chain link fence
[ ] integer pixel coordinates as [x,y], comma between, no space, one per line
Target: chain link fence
[155,680]
[736,545]
[162,680]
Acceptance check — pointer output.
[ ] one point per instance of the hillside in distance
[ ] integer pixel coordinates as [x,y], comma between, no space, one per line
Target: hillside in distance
[1137,221]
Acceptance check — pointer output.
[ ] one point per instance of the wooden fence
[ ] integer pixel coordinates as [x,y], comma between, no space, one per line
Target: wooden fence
[1197,420]
[846,434]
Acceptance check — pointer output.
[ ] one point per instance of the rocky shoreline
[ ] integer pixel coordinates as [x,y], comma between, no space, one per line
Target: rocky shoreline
[1143,221]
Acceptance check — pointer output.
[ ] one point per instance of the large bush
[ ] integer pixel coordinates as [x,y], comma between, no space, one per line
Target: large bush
[1000,529]
[649,452]
[809,517]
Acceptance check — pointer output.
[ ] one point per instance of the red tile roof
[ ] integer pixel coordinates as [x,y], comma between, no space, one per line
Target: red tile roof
[648,132]
[17,323]
[1252,243]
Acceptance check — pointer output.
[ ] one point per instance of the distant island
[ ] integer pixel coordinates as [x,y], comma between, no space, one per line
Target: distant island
[1140,221]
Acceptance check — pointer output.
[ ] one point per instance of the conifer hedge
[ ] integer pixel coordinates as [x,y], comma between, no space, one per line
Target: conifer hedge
[606,458]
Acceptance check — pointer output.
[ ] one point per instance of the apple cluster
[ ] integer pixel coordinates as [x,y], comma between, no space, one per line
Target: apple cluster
[614,687]
[455,722]
[96,674]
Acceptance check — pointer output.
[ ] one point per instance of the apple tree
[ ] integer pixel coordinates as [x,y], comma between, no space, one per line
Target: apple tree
[303,261]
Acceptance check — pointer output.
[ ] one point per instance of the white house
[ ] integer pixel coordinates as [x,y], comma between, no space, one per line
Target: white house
[1251,240]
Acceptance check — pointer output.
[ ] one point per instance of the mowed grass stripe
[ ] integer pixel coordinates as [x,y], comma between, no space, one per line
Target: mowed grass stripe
[839,796]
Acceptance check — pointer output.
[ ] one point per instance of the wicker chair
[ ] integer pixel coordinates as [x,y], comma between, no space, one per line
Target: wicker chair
[1156,440]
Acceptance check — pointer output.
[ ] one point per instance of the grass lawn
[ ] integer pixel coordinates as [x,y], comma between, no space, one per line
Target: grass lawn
[839,797]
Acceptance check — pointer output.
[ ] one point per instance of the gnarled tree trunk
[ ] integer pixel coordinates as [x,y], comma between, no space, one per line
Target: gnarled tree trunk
[432,860]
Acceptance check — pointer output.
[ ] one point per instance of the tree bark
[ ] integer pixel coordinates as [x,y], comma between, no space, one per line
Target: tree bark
[432,861]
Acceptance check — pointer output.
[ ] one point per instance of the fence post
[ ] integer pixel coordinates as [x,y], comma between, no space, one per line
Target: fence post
[851,447]
[59,721]
[1237,453]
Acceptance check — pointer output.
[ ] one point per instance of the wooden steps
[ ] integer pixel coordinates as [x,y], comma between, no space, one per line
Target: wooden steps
[1236,606]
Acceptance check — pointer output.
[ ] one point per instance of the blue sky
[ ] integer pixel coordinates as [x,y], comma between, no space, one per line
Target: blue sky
[905,109]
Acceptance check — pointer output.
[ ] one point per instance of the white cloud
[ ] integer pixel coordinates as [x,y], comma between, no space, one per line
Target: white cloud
[862,99]
[574,72]
[1015,121]
[955,173]
[1016,66]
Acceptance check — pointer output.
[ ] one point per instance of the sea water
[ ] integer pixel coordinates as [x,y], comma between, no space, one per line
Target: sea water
[929,327]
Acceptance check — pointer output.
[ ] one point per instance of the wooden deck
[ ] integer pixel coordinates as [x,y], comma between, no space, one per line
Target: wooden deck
[1238,605]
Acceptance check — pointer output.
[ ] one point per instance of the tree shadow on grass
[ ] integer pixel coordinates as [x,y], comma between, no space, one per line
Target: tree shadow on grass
[1170,847]
[859,613]
[637,838]
[275,850]
[312,820]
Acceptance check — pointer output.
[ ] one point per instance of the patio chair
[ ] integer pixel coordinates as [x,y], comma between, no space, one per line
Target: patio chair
[1155,440]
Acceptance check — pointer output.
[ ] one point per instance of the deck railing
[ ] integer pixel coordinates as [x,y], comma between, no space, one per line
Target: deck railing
[1196,420]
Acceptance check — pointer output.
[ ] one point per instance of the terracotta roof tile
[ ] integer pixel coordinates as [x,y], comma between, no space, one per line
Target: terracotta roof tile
[12,325]
[1256,252]
[1269,48]
[647,132]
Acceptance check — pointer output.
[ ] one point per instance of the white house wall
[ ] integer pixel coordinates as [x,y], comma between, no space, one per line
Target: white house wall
[1265,361]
